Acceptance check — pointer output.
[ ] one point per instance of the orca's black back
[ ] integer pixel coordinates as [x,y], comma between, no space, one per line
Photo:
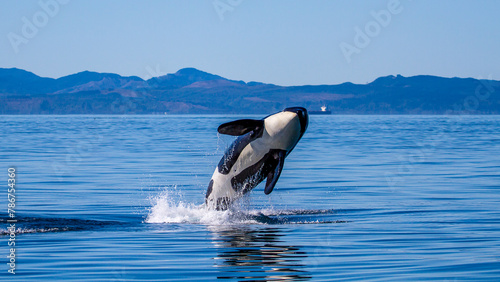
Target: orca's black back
[234,151]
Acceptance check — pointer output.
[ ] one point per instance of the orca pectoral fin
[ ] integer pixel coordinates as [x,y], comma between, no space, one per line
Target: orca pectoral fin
[240,127]
[274,174]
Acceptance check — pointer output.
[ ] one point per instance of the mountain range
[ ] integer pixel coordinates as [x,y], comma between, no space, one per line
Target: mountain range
[191,91]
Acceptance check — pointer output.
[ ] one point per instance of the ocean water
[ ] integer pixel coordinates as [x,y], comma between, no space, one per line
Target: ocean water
[375,198]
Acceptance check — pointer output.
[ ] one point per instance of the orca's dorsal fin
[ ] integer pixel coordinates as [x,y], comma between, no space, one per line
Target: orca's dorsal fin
[240,127]
[274,174]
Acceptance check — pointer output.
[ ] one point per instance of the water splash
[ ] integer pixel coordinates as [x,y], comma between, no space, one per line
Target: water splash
[170,207]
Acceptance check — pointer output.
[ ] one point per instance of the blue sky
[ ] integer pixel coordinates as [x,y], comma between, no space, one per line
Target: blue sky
[284,42]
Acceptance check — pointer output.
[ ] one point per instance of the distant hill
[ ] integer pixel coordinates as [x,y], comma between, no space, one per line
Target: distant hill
[191,91]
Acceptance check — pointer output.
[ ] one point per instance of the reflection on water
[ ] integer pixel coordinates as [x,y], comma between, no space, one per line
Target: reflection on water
[257,254]
[418,198]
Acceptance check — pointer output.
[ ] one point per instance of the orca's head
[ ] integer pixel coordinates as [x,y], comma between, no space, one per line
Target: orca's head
[303,118]
[284,129]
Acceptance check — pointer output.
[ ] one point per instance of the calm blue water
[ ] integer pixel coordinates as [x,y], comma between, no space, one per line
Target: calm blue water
[380,198]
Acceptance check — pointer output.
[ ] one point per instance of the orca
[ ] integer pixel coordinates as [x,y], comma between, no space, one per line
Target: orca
[258,153]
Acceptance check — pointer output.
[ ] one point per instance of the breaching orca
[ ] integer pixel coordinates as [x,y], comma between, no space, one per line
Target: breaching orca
[258,153]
